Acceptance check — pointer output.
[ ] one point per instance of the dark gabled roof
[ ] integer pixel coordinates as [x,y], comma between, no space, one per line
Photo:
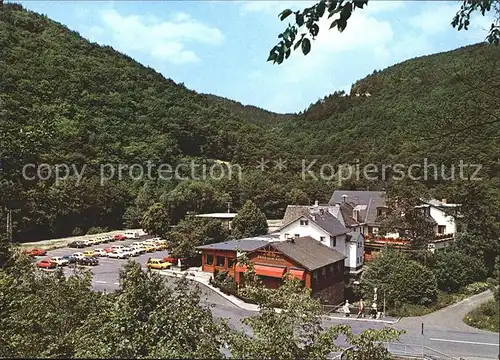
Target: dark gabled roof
[309,253]
[293,212]
[241,245]
[346,210]
[366,201]
[325,220]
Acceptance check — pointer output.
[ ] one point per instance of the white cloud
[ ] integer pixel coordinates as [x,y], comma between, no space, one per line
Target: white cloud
[273,7]
[162,40]
[331,46]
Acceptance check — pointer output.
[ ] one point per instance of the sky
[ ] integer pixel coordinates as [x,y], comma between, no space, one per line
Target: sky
[221,47]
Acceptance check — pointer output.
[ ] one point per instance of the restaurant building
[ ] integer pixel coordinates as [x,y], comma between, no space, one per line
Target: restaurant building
[318,267]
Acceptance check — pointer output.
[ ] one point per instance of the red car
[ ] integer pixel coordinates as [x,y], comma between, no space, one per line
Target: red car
[46,264]
[36,252]
[172,260]
[120,237]
[108,250]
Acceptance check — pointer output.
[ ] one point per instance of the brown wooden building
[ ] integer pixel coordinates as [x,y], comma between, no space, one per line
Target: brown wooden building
[222,256]
[319,267]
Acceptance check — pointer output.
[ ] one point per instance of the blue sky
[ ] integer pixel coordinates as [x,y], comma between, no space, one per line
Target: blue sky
[221,47]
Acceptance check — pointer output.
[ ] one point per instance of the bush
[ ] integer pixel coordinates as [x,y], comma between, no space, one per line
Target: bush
[405,281]
[476,288]
[97,230]
[455,270]
[77,232]
[224,282]
[485,317]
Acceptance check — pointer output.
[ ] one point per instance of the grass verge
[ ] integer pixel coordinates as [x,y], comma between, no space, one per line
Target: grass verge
[485,317]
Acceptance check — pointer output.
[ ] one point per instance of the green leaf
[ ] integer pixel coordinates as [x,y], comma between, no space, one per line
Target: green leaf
[306,46]
[297,44]
[334,23]
[285,13]
[320,9]
[299,19]
[314,30]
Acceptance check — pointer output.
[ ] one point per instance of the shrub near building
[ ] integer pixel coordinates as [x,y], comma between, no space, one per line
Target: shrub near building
[406,282]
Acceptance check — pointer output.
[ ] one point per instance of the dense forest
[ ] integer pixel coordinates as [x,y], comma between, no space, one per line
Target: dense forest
[64,100]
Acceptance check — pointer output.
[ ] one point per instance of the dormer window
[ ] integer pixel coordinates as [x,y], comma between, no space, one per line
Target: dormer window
[304,222]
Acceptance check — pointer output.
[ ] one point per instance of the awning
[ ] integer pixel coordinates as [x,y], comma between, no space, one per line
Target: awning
[299,274]
[269,271]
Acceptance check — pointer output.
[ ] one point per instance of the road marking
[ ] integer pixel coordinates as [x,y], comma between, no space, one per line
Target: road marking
[100,282]
[464,342]
[117,283]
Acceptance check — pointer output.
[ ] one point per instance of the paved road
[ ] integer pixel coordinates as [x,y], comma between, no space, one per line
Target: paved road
[444,330]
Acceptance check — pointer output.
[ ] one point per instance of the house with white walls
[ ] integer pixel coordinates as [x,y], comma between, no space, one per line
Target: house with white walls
[318,222]
[369,207]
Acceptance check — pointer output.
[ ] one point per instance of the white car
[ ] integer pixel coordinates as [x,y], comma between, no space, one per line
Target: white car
[133,251]
[118,254]
[78,255]
[100,252]
[118,248]
[59,261]
[139,248]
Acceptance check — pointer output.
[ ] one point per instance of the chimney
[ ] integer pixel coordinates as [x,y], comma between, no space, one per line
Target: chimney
[316,203]
[344,198]
[443,201]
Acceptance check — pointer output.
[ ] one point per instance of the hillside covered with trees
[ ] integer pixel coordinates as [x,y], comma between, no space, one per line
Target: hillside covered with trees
[64,100]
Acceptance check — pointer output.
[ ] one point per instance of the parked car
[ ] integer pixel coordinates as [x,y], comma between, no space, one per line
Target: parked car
[133,251]
[117,247]
[148,247]
[100,252]
[89,253]
[36,252]
[172,260]
[77,244]
[59,261]
[131,234]
[46,264]
[78,255]
[119,237]
[118,254]
[70,258]
[158,264]
[138,248]
[86,260]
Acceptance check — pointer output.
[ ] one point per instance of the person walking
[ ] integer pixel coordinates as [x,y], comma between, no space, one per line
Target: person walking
[361,308]
[346,310]
[374,310]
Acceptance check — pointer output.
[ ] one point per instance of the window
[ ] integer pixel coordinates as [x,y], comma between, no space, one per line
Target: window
[221,260]
[287,235]
[297,235]
[210,260]
[333,241]
[304,222]
[322,238]
[441,229]
[323,271]
[230,263]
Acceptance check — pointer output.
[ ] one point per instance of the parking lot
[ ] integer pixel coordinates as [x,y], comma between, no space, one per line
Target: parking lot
[106,274]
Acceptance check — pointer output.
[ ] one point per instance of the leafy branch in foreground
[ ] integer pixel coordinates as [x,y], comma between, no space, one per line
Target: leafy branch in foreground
[307,23]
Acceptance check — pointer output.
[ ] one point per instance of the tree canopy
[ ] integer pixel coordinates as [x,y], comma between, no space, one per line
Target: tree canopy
[250,221]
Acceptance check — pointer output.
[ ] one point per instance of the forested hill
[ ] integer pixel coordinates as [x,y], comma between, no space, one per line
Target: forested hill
[443,106]
[66,100]
[106,106]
